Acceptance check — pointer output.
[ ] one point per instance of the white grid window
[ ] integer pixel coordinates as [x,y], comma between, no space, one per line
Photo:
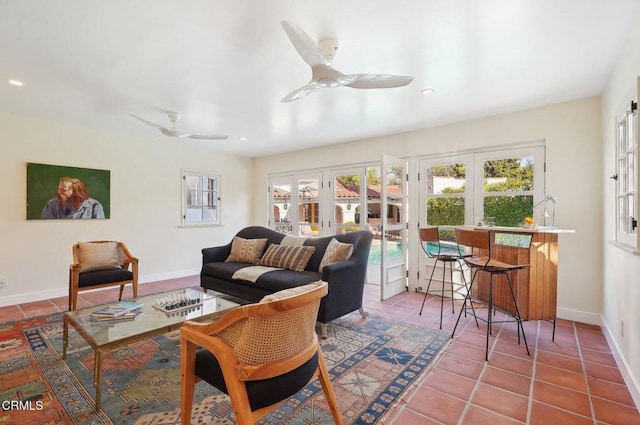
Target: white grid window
[201,199]
[627,176]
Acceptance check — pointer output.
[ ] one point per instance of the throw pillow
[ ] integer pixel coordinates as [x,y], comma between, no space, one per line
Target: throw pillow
[246,250]
[290,292]
[98,256]
[287,257]
[336,252]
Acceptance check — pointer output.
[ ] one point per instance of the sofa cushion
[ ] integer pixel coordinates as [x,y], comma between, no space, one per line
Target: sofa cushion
[278,280]
[336,251]
[222,270]
[98,256]
[287,257]
[99,277]
[246,250]
[290,292]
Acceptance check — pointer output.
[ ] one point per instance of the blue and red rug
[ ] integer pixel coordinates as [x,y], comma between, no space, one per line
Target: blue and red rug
[371,363]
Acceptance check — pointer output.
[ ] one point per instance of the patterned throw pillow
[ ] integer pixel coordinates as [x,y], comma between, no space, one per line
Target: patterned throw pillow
[246,250]
[287,257]
[98,256]
[336,252]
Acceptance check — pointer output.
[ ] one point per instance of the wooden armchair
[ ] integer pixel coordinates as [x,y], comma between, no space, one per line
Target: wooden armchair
[99,264]
[259,354]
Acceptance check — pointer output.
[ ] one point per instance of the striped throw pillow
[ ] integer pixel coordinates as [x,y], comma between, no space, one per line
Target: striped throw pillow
[287,257]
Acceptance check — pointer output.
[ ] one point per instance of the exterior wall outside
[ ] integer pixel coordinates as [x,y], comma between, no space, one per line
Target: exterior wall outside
[621,289]
[145,204]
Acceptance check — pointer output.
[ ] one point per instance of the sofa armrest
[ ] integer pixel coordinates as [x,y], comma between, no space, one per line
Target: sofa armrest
[215,254]
[346,289]
[337,270]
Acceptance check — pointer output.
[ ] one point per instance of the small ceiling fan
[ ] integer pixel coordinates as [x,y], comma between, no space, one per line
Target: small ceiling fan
[324,75]
[174,117]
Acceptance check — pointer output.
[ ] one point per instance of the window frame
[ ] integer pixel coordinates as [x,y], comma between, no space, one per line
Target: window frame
[215,192]
[626,171]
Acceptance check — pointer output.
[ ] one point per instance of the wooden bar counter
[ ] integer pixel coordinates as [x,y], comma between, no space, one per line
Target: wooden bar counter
[535,287]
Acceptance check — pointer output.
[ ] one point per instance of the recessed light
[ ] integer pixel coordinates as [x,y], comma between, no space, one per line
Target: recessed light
[427,91]
[242,138]
[16,83]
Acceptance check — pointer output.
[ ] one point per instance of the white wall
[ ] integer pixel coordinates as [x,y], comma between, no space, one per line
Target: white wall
[145,204]
[572,132]
[621,301]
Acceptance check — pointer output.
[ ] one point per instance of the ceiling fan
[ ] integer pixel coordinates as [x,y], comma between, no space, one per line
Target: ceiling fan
[174,117]
[324,75]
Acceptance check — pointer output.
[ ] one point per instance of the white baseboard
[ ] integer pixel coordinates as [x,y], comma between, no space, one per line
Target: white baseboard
[629,380]
[579,316]
[63,292]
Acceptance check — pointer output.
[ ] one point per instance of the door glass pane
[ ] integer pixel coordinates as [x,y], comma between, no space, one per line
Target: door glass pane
[281,201]
[444,206]
[510,210]
[508,188]
[394,228]
[507,175]
[347,200]
[309,206]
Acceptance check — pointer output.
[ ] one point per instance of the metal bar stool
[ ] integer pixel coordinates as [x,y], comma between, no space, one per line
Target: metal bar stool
[479,262]
[434,249]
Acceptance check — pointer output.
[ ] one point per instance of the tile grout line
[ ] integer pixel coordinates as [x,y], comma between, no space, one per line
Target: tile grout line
[584,373]
[533,376]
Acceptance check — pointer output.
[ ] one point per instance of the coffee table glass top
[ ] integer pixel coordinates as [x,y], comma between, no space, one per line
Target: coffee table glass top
[149,321]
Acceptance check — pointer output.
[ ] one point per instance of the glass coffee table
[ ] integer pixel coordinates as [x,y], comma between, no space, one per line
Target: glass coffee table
[151,321]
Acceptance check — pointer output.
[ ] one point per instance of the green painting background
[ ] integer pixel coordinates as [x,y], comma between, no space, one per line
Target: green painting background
[42,185]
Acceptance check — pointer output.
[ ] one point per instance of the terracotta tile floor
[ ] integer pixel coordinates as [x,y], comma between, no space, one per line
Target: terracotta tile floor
[573,380]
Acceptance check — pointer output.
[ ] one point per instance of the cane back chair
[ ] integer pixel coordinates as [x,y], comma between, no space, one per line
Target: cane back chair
[259,354]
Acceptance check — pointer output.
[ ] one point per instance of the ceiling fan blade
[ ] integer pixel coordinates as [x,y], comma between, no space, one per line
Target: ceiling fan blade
[299,93]
[306,47]
[152,124]
[202,136]
[378,81]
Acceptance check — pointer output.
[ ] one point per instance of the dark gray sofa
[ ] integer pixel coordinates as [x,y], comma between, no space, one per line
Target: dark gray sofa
[345,278]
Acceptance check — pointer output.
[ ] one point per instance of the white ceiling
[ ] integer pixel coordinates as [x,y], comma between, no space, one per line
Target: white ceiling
[226,64]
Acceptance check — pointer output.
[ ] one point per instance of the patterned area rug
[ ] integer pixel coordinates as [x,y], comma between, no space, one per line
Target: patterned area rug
[371,363]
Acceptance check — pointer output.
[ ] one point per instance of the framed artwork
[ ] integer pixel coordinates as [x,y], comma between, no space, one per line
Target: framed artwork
[59,192]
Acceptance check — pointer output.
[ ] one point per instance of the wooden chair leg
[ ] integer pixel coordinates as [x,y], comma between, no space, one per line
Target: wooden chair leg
[187,367]
[328,389]
[72,292]
[121,291]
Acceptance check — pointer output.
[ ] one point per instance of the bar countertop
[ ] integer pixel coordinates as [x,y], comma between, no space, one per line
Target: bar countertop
[537,229]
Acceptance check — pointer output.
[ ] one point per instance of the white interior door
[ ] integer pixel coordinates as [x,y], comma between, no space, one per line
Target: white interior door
[393,227]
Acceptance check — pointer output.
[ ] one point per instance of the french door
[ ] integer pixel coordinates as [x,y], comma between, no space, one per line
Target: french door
[366,198]
[446,201]
[296,204]
[393,230]
[499,187]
